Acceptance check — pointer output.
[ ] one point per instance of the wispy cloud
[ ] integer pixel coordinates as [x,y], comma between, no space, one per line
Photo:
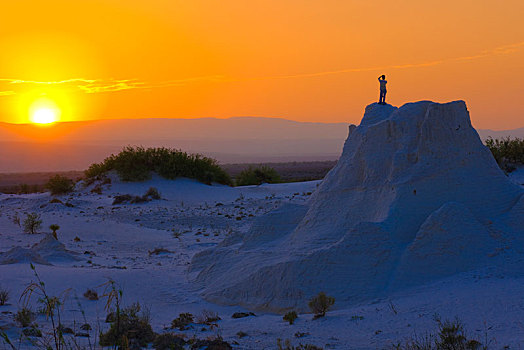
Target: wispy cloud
[498,51]
[58,82]
[97,86]
[94,86]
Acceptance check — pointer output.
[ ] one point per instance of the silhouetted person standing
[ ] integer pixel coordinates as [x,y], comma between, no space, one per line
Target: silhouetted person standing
[382,99]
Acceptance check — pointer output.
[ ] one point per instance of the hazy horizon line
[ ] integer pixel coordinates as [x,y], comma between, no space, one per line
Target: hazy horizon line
[173,118]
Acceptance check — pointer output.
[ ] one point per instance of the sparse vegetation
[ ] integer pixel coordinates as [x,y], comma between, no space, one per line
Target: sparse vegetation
[182,321]
[287,346]
[32,223]
[25,316]
[22,189]
[59,184]
[211,344]
[290,317]
[242,314]
[507,152]
[54,228]
[153,193]
[91,294]
[451,336]
[168,341]
[97,189]
[320,304]
[241,334]
[158,251]
[138,163]
[208,317]
[131,328]
[257,176]
[32,332]
[4,296]
[16,220]
[50,307]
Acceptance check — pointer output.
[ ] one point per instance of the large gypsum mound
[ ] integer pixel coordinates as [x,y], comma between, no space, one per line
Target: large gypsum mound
[414,197]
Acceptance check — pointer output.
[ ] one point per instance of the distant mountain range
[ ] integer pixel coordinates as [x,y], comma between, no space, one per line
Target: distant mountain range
[76,145]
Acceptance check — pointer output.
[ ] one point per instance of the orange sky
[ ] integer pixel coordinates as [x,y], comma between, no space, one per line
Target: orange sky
[298,59]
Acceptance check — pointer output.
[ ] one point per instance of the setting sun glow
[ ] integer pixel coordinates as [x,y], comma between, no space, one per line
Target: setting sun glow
[44,116]
[44,111]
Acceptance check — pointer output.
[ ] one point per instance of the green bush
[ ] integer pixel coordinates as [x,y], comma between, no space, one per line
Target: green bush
[59,184]
[32,223]
[169,341]
[24,317]
[138,163]
[507,151]
[54,228]
[286,345]
[182,321]
[320,304]
[153,193]
[451,335]
[4,296]
[132,327]
[290,317]
[257,176]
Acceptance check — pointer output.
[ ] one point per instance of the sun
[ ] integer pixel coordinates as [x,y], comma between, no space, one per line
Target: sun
[44,111]
[44,116]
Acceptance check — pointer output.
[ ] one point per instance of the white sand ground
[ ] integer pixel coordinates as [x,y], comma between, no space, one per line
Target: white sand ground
[117,240]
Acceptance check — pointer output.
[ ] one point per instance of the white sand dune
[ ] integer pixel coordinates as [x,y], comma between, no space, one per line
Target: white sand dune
[415,197]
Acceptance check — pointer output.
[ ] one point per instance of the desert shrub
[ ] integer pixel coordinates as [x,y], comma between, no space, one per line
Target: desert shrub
[257,176]
[158,251]
[32,223]
[91,294]
[211,344]
[123,198]
[54,228]
[507,151]
[97,189]
[320,304]
[23,189]
[25,316]
[287,346]
[208,317]
[16,220]
[138,163]
[139,199]
[290,317]
[4,296]
[32,332]
[241,334]
[242,314]
[97,170]
[168,341]
[153,193]
[132,327]
[182,321]
[59,184]
[451,336]
[50,307]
